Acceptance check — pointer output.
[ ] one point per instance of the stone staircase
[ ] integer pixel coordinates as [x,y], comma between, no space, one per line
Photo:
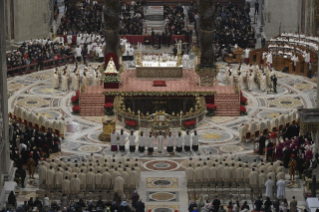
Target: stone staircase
[227,104]
[92,104]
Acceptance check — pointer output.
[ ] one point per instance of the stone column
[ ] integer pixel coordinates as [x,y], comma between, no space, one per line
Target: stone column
[6,163]
[318,83]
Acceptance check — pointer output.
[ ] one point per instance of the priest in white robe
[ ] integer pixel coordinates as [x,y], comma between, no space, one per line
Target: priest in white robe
[50,177]
[170,143]
[160,142]
[66,186]
[65,82]
[263,83]
[58,179]
[141,143]
[190,173]
[198,174]
[119,185]
[122,141]
[75,185]
[179,143]
[252,126]
[242,132]
[213,173]
[132,142]
[262,178]
[90,179]
[106,179]
[281,191]
[269,188]
[186,61]
[55,79]
[195,139]
[253,178]
[42,174]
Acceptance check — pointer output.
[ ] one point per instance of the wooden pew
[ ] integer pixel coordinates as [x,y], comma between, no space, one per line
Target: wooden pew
[235,57]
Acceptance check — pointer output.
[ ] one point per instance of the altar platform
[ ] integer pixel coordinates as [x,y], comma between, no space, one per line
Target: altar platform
[225,97]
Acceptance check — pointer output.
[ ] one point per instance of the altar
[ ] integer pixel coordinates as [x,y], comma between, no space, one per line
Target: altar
[159,64]
[159,72]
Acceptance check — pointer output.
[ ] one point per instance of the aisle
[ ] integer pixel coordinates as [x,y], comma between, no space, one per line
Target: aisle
[164,190]
[154,18]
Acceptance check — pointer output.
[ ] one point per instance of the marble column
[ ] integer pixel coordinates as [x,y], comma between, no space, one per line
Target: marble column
[6,163]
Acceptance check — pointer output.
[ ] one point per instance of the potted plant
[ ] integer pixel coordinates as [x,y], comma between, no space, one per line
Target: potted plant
[75,99]
[242,110]
[76,109]
[211,109]
[190,124]
[109,108]
[243,100]
[131,124]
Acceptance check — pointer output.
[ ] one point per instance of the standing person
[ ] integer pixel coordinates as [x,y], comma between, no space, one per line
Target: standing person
[247,50]
[114,141]
[135,197]
[170,143]
[40,62]
[159,40]
[152,37]
[132,142]
[31,167]
[276,204]
[160,141]
[293,204]
[140,206]
[150,145]
[281,192]
[64,201]
[292,167]
[310,70]
[78,55]
[141,143]
[122,141]
[268,205]
[258,203]
[263,42]
[84,54]
[262,144]
[216,203]
[256,7]
[274,81]
[269,187]
[164,37]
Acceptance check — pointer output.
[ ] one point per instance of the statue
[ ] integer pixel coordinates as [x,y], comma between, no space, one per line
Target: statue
[206,32]
[111,68]
[112,25]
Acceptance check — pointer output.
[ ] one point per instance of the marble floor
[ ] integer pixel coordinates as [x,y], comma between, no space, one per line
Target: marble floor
[163,179]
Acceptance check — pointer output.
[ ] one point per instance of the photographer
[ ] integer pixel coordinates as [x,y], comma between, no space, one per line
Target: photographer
[273,78]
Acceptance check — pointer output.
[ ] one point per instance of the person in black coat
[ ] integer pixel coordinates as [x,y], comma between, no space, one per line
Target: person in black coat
[159,40]
[262,144]
[152,36]
[12,199]
[192,206]
[276,204]
[124,207]
[258,204]
[140,206]
[286,158]
[164,37]
[23,175]
[216,203]
[114,207]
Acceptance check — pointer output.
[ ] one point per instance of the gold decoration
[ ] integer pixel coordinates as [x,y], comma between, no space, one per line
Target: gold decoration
[179,59]
[108,127]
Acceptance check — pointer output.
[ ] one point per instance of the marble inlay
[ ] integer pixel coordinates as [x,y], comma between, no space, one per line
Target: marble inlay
[170,196]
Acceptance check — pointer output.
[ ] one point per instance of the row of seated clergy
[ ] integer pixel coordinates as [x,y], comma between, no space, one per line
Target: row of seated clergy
[97,165]
[89,180]
[230,173]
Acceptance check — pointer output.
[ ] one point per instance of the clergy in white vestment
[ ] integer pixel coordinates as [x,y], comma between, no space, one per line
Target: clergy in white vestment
[90,179]
[253,178]
[269,188]
[205,170]
[187,142]
[226,173]
[252,126]
[281,191]
[250,81]
[122,141]
[229,78]
[141,143]
[240,81]
[179,143]
[50,177]
[107,178]
[119,185]
[134,178]
[55,79]
[262,178]
[62,127]
[186,61]
[242,131]
[263,83]
[58,178]
[220,171]
[66,186]
[281,119]
[267,122]
[132,142]
[247,50]
[160,142]
[65,82]
[150,143]
[269,59]
[170,143]
[75,185]
[195,139]
[190,173]
[213,173]
[42,174]
[98,180]
[114,141]
[42,120]
[198,174]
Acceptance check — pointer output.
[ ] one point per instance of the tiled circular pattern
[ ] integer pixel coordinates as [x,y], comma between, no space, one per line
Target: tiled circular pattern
[90,148]
[51,114]
[162,182]
[14,86]
[286,102]
[211,135]
[162,196]
[70,145]
[269,114]
[46,90]
[161,165]
[163,210]
[303,86]
[231,148]
[32,102]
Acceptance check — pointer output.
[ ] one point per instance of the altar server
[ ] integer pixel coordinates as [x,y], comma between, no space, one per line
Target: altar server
[247,50]
[160,142]
[141,143]
[195,141]
[132,142]
[150,145]
[170,143]
[187,142]
[114,141]
[185,61]
[179,143]
[122,141]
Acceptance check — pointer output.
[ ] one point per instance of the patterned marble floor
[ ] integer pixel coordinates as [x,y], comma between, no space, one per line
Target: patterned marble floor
[218,135]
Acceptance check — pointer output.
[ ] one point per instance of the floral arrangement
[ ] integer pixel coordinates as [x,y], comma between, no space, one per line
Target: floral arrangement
[131,124]
[75,99]
[109,108]
[190,124]
[243,100]
[211,109]
[242,110]
[76,109]
[110,78]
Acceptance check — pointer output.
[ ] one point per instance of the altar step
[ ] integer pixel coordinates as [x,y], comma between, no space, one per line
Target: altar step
[227,104]
[92,104]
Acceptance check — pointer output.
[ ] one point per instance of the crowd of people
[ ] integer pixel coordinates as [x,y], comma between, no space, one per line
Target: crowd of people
[36,52]
[131,18]
[233,26]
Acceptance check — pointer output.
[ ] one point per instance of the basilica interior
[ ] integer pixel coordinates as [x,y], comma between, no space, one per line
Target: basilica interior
[159,106]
